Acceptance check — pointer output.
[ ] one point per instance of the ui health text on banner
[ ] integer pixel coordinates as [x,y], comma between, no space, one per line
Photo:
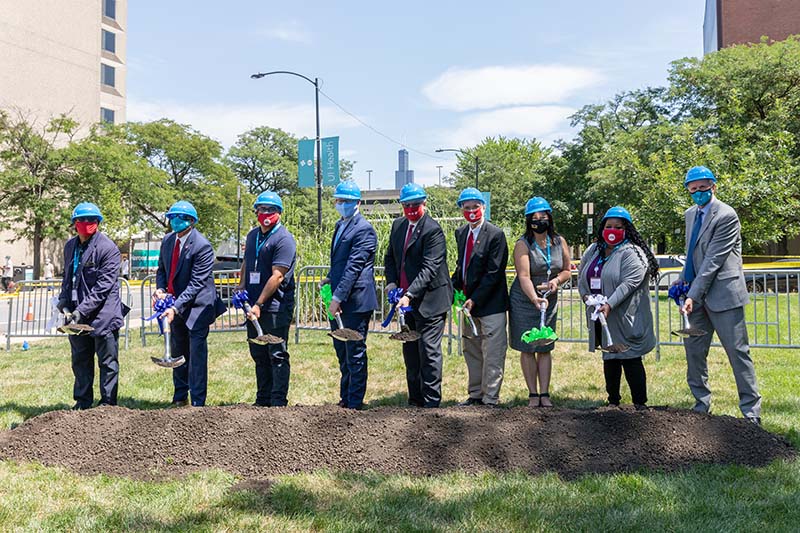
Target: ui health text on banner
[305,163]
[330,161]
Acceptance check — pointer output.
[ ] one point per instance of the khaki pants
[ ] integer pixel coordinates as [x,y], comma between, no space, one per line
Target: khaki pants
[486,356]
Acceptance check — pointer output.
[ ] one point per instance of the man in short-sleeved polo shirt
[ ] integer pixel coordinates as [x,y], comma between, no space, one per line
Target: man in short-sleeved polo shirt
[268,275]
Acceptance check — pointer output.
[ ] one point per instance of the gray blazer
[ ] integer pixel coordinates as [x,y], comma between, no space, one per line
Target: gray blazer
[625,284]
[719,282]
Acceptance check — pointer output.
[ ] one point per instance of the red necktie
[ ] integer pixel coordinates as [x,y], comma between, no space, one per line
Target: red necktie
[403,278]
[468,253]
[176,253]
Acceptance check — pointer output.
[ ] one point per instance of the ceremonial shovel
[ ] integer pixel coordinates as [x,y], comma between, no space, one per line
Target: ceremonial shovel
[611,347]
[344,334]
[405,334]
[260,338]
[167,361]
[688,330]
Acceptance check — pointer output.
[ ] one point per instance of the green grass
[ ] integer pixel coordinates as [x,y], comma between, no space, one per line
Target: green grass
[34,497]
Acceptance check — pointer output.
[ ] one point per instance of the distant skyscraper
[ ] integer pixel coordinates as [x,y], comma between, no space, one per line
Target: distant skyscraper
[402,175]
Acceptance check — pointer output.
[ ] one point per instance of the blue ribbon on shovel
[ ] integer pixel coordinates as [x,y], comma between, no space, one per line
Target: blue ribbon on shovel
[394,298]
[159,306]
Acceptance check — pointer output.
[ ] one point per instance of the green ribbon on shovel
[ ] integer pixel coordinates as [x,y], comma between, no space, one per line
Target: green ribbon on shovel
[326,294]
[459,298]
[536,334]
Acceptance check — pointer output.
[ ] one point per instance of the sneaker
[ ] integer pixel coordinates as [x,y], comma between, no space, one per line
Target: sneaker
[755,420]
[471,401]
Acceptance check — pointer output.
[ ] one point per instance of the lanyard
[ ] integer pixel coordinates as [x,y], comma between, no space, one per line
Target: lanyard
[547,259]
[260,244]
[76,261]
[603,259]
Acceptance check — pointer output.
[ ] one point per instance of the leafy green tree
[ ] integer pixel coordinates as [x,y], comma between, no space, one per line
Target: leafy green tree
[35,179]
[265,158]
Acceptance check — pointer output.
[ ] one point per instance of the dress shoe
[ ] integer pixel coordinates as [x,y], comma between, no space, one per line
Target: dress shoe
[640,407]
[471,401]
[80,407]
[179,403]
[755,420]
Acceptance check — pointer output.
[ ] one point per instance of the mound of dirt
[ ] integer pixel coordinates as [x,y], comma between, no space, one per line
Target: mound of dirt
[256,443]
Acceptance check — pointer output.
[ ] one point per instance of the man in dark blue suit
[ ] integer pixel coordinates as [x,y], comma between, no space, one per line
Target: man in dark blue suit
[184,271]
[352,280]
[90,295]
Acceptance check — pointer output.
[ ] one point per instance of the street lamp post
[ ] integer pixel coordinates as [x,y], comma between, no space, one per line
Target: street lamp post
[477,165]
[369,180]
[440,174]
[315,83]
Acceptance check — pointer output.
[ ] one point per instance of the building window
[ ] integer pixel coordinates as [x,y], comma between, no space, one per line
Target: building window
[109,41]
[110,9]
[107,115]
[107,75]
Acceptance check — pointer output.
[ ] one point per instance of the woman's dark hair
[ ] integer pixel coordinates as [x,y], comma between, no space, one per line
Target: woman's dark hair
[632,235]
[530,234]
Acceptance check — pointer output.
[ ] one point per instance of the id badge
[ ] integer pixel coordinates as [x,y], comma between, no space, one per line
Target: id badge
[594,284]
[74,295]
[255,278]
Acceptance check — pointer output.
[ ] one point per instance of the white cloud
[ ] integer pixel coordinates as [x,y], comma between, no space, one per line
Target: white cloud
[495,86]
[290,31]
[225,122]
[545,123]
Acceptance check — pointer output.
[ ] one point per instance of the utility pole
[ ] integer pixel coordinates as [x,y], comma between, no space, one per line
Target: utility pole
[440,174]
[369,180]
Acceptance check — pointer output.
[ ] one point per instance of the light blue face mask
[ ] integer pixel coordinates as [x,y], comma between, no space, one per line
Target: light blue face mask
[701,198]
[178,224]
[347,209]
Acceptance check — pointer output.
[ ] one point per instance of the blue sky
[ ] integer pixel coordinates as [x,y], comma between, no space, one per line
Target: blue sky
[426,74]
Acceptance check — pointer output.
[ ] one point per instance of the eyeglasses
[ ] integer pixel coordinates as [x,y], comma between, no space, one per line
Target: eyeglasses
[412,204]
[268,209]
[186,218]
[87,219]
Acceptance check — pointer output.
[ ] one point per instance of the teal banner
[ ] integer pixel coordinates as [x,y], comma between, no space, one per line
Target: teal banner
[487,197]
[330,161]
[305,163]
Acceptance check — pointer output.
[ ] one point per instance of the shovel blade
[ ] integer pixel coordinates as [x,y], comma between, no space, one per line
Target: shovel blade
[615,348]
[75,329]
[405,336]
[172,362]
[266,339]
[346,334]
[541,343]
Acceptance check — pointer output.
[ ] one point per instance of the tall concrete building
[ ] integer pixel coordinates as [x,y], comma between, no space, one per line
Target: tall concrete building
[61,56]
[402,175]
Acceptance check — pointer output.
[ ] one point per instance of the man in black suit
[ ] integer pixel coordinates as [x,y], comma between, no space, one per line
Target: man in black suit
[416,261]
[481,274]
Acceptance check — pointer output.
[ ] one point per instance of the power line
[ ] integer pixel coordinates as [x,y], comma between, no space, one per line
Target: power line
[390,139]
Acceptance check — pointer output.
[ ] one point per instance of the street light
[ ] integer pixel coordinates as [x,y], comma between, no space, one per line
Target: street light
[315,83]
[369,180]
[459,150]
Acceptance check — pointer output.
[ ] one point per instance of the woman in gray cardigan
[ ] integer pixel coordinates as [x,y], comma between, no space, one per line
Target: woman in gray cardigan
[616,269]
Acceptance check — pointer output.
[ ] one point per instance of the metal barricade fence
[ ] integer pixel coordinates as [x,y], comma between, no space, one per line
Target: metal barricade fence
[310,313]
[30,310]
[225,282]
[774,306]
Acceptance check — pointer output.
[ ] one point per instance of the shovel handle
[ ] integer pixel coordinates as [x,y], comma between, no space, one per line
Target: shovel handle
[167,344]
[338,317]
[468,316]
[247,309]
[604,324]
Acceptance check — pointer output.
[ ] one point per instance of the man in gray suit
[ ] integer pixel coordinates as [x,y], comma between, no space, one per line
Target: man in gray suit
[717,293]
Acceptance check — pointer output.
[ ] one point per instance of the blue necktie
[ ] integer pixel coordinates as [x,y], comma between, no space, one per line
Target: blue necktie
[689,272]
[339,233]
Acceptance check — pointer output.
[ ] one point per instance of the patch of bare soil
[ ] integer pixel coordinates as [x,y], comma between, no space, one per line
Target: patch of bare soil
[256,443]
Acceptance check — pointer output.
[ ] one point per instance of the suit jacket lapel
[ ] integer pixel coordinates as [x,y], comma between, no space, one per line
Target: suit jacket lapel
[186,245]
[417,231]
[85,256]
[712,212]
[333,238]
[350,224]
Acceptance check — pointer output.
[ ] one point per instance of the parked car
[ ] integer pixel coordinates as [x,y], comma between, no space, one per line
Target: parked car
[774,282]
[227,262]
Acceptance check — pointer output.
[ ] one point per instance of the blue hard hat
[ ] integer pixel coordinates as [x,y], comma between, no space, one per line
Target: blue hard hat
[269,198]
[411,192]
[618,212]
[347,190]
[699,173]
[182,207]
[470,193]
[86,209]
[536,204]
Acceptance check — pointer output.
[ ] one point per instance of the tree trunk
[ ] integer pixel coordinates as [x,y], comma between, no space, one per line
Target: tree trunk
[37,248]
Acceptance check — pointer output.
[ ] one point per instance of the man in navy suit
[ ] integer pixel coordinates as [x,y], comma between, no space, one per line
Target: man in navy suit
[184,271]
[352,280]
[416,261]
[90,295]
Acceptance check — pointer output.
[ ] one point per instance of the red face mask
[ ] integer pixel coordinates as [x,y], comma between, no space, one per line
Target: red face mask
[268,219]
[473,216]
[86,229]
[613,236]
[413,213]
